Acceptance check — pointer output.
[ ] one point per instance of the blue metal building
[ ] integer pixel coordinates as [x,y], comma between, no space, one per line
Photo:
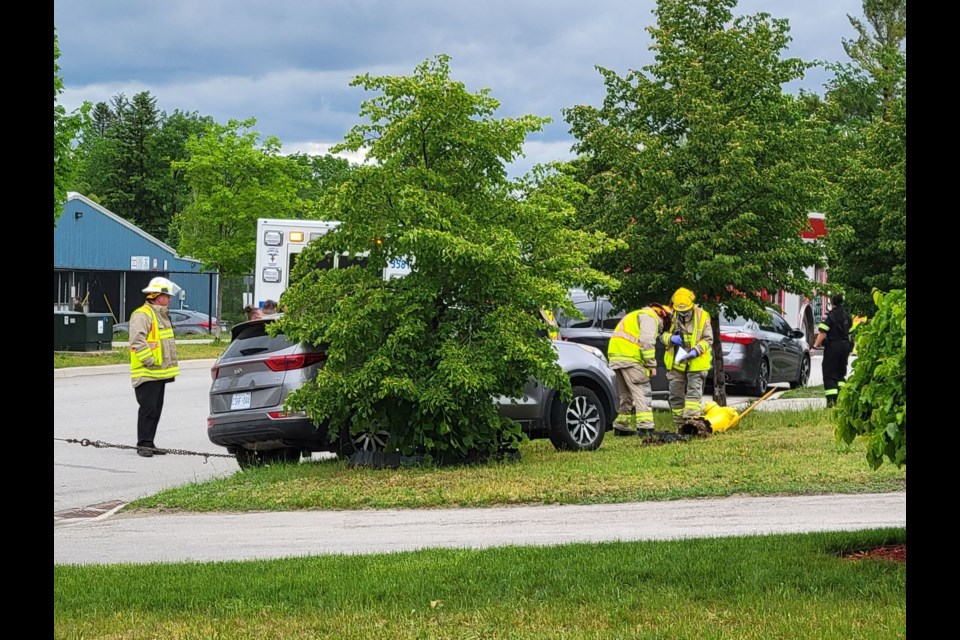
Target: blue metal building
[103,262]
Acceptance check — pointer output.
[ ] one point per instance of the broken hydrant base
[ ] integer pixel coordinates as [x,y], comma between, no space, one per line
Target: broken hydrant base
[663,437]
[689,428]
[695,427]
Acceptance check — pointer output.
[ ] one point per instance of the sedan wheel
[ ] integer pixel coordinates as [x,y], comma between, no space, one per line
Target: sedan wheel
[803,375]
[580,424]
[763,378]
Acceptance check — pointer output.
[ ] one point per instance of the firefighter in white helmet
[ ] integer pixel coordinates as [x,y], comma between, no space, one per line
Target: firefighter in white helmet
[153,359]
[688,343]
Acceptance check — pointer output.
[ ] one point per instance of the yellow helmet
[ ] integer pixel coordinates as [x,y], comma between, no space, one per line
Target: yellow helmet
[682,299]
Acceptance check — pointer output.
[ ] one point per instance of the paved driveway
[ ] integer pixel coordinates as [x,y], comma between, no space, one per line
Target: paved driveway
[207,538]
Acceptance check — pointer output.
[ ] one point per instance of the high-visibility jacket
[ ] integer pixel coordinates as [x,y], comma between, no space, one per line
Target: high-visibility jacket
[553,330]
[699,335]
[156,358]
[634,338]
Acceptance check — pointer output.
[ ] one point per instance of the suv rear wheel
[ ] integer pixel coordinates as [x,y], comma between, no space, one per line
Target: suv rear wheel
[369,439]
[578,425]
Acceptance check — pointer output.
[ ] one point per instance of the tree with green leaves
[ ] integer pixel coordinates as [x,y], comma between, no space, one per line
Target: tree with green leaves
[703,165]
[873,403]
[235,178]
[324,172]
[866,107]
[66,129]
[422,357]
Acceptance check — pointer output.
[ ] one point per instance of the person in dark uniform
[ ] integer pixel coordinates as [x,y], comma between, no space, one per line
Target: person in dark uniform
[834,330]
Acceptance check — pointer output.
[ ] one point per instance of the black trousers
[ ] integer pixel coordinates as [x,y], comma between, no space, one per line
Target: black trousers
[835,357]
[150,398]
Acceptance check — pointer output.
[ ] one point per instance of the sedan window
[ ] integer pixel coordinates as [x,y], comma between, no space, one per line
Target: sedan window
[780,325]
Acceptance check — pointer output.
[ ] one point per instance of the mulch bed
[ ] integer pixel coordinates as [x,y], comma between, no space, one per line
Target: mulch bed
[895,552]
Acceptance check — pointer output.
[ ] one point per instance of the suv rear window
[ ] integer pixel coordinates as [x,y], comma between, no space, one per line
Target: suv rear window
[253,340]
[587,308]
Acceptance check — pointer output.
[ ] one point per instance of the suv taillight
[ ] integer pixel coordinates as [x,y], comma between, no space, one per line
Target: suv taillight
[299,361]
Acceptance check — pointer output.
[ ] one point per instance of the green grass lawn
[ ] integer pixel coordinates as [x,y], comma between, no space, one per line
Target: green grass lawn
[745,588]
[121,355]
[804,392]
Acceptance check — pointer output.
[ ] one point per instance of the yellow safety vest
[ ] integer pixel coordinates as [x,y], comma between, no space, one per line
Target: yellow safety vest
[624,345]
[553,331]
[701,362]
[154,348]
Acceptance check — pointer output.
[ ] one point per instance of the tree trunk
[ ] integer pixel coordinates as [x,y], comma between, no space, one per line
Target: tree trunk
[719,384]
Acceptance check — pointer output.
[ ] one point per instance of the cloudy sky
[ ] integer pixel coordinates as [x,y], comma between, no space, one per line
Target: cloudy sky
[289,63]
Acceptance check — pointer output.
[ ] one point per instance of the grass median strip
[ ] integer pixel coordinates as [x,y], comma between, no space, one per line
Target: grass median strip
[785,586]
[121,355]
[768,453]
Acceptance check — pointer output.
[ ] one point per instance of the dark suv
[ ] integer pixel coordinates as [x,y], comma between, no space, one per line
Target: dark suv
[256,373]
[595,330]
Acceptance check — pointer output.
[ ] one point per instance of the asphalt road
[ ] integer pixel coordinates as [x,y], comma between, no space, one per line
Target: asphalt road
[98,404]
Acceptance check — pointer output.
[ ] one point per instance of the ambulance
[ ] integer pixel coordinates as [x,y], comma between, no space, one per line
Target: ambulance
[279,243]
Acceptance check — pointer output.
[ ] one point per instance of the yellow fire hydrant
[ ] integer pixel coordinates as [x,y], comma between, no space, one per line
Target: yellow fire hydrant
[720,418]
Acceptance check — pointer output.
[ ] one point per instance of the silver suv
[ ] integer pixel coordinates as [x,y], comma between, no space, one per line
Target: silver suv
[256,373]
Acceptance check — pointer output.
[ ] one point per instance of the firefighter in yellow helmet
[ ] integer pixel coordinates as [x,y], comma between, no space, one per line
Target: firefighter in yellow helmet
[153,359]
[632,356]
[688,346]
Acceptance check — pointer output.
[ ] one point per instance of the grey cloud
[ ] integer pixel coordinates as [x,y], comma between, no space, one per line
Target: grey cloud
[289,63]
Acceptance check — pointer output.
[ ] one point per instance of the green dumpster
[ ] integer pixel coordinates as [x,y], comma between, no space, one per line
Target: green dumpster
[75,331]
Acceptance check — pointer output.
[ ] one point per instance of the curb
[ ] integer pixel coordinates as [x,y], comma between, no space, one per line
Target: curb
[107,369]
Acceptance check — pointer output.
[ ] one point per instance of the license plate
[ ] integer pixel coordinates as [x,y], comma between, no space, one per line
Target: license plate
[240,401]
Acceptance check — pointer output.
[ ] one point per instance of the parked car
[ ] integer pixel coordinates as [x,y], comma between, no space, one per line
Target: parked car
[754,355]
[185,322]
[256,373]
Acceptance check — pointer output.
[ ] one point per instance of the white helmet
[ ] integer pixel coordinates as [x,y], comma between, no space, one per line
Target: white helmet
[162,285]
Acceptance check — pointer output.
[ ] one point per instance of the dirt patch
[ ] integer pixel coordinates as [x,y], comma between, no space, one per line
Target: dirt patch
[895,552]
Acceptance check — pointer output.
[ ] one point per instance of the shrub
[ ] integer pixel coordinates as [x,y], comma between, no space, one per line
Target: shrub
[873,403]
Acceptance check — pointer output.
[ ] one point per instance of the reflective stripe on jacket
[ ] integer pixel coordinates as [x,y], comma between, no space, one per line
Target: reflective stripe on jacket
[147,361]
[701,337]
[631,343]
